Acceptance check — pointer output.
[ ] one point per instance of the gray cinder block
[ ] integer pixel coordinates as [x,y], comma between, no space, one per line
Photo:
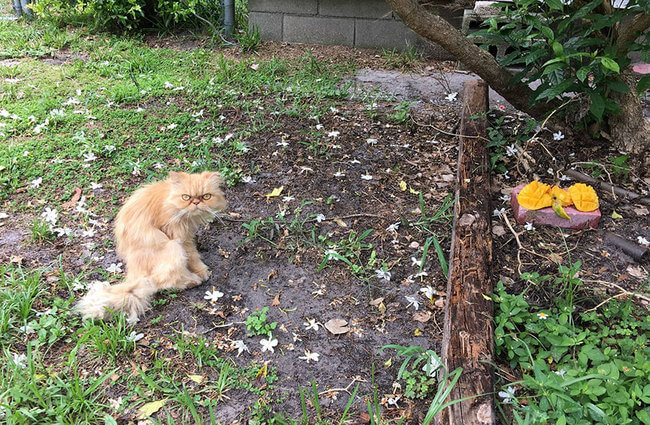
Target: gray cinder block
[268,24]
[319,30]
[307,7]
[377,9]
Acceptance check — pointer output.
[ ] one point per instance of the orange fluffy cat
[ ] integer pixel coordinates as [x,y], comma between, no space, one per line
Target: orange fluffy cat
[155,231]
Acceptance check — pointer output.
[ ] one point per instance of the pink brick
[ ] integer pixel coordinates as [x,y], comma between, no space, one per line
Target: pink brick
[547,217]
[642,68]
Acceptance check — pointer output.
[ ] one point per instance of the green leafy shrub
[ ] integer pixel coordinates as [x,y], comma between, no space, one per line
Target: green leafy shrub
[130,14]
[578,368]
[571,48]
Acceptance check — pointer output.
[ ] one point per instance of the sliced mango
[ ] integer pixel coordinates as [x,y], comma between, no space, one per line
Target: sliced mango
[535,195]
[584,197]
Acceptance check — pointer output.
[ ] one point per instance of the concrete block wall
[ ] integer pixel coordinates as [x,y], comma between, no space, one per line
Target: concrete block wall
[364,24]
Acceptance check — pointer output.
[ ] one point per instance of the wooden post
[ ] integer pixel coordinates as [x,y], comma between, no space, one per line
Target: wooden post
[468,340]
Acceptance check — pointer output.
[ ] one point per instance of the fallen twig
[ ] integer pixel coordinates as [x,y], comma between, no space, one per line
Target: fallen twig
[634,250]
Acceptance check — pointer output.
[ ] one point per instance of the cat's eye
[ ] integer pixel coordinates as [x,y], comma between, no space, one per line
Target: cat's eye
[185,197]
[206,196]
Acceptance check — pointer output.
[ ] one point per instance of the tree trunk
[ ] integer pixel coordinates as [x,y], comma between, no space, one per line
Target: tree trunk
[629,130]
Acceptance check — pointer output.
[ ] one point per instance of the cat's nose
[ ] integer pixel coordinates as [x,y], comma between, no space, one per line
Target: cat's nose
[196,201]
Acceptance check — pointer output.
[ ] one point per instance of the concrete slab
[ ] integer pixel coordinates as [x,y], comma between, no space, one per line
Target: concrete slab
[547,217]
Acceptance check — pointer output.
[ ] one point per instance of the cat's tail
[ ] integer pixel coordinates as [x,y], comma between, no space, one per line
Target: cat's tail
[132,298]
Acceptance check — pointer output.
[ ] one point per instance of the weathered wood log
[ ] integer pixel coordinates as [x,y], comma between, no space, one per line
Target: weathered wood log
[468,340]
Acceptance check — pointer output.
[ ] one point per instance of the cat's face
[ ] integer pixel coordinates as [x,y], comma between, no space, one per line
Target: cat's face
[197,194]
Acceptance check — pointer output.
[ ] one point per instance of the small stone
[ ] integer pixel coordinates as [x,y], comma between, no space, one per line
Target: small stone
[547,217]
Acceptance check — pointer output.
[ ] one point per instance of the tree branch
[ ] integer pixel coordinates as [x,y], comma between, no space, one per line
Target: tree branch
[438,30]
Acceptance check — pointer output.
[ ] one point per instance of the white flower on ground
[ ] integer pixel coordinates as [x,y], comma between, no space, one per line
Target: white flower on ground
[371,141]
[50,215]
[109,148]
[366,176]
[451,97]
[319,126]
[158,166]
[393,227]
[309,356]
[415,262]
[36,182]
[115,403]
[20,360]
[62,231]
[132,319]
[319,218]
[383,274]
[168,85]
[498,213]
[428,291]
[89,157]
[564,178]
[413,301]
[296,337]
[311,324]
[283,143]
[198,114]
[26,329]
[213,295]
[88,233]
[135,337]
[421,274]
[333,109]
[333,133]
[114,268]
[432,365]
[542,316]
[507,395]
[505,198]
[95,186]
[240,346]
[3,215]
[560,372]
[511,150]
[558,136]
[643,241]
[171,127]
[339,173]
[181,146]
[247,179]
[268,344]
[529,226]
[288,198]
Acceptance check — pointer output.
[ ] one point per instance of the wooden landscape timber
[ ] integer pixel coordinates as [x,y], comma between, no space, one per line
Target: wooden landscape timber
[468,340]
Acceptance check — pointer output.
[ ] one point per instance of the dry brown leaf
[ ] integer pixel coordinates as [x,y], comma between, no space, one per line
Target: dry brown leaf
[422,316]
[337,326]
[637,271]
[276,301]
[340,222]
[75,198]
[642,210]
[272,274]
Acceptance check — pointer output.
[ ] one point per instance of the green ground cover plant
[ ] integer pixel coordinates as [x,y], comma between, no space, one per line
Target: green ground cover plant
[577,366]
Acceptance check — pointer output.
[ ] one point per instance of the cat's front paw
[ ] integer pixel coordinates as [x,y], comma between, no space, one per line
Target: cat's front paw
[194,281]
[203,272]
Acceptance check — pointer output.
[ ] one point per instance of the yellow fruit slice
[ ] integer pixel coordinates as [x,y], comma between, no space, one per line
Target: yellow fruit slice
[535,195]
[561,194]
[584,197]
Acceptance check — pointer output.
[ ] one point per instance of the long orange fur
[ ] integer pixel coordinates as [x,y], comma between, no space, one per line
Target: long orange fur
[155,231]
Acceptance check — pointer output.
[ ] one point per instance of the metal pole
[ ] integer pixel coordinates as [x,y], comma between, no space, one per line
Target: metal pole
[229,16]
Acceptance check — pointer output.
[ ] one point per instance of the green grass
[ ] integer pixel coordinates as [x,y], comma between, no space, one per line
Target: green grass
[118,111]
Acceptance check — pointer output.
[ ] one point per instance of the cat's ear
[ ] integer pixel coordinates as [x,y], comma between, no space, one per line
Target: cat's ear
[213,177]
[175,176]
